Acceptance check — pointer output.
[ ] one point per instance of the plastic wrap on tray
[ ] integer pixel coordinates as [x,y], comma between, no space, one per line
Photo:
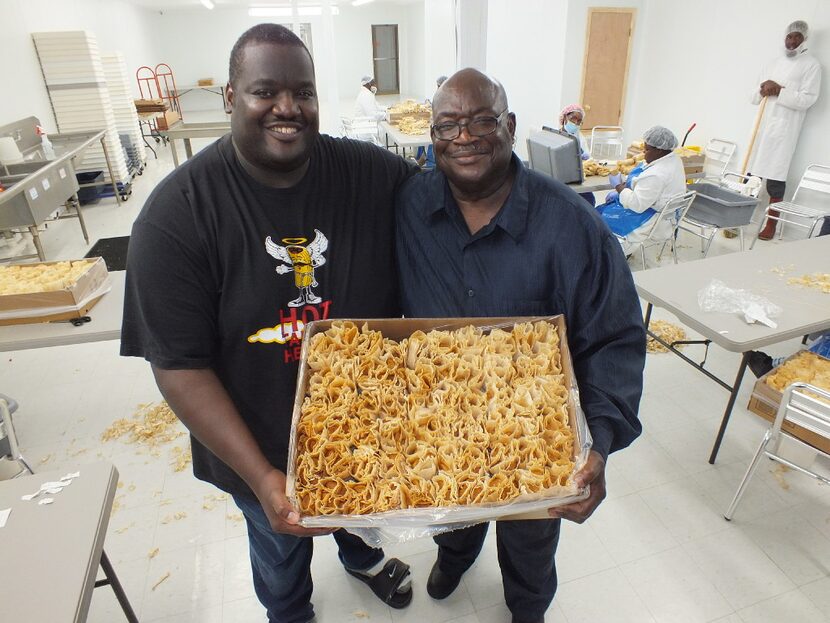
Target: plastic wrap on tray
[378,528]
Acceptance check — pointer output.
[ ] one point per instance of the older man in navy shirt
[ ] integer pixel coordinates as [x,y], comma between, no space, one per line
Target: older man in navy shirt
[483,236]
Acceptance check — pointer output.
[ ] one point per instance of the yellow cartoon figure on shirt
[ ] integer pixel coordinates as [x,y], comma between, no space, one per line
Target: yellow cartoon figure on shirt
[302,260]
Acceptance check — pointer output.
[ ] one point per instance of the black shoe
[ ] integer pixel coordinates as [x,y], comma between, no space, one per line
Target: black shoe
[539,620]
[760,363]
[441,585]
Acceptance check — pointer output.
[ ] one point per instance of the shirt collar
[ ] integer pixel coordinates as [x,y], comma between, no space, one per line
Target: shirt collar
[512,217]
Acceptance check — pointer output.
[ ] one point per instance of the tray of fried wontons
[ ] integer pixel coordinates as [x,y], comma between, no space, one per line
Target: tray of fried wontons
[423,422]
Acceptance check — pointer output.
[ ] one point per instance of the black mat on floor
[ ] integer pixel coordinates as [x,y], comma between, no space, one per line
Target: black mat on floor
[113,250]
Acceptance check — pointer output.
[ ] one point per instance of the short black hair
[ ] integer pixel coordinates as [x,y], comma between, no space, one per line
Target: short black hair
[262,33]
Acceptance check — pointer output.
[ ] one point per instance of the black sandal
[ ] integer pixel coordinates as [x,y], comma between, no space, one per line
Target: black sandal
[385,583]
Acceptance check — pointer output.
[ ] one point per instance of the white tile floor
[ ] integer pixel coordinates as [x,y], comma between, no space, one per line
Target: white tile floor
[656,550]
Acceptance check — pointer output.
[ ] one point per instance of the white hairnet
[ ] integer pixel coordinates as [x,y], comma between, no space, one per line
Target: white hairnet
[440,80]
[798,26]
[660,138]
[365,80]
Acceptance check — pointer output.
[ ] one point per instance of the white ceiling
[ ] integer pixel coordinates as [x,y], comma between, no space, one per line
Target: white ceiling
[166,5]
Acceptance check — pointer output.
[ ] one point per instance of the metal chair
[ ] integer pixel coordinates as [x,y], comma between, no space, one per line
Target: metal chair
[674,211]
[707,229]
[718,154]
[9,448]
[607,143]
[814,187]
[810,411]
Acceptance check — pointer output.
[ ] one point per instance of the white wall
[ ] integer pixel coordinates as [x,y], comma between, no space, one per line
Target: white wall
[117,26]
[526,52]
[700,63]
[440,52]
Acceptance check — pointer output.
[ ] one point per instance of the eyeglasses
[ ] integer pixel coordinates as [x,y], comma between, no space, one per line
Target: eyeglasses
[480,126]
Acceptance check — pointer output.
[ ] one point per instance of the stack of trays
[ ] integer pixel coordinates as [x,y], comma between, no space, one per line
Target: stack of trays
[75,81]
[126,117]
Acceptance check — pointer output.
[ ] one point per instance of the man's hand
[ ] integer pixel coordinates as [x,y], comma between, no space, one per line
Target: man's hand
[592,474]
[620,187]
[283,517]
[770,88]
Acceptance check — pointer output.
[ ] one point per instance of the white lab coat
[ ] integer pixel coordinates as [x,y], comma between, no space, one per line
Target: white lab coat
[365,105]
[800,77]
[660,180]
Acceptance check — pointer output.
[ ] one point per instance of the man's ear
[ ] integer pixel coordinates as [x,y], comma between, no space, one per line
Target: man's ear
[228,98]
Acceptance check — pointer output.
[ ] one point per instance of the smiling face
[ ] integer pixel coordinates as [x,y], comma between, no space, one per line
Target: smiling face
[274,116]
[473,164]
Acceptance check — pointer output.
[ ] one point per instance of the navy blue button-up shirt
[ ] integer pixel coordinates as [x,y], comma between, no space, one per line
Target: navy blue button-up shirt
[545,253]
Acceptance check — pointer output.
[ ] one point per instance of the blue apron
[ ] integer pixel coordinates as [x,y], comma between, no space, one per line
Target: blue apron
[620,219]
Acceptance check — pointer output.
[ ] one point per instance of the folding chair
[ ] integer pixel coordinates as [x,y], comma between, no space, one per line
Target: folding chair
[9,450]
[706,227]
[810,411]
[361,129]
[814,187]
[607,143]
[718,154]
[674,211]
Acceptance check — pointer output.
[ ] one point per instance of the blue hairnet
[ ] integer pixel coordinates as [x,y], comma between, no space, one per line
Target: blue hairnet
[798,25]
[660,138]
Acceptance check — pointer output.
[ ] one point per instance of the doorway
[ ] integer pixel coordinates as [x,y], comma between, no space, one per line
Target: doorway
[385,58]
[605,66]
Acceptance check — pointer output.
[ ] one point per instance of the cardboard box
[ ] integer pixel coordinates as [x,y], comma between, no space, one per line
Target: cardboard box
[765,401]
[205,82]
[73,296]
[398,329]
[163,122]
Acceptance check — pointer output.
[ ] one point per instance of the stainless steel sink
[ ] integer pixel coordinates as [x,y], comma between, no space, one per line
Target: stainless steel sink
[38,189]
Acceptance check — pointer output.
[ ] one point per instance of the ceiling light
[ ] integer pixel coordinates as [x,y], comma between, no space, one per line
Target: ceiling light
[207,4]
[273,11]
[359,2]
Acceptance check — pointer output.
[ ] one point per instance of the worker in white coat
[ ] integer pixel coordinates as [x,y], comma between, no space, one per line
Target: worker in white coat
[365,104]
[631,207]
[790,84]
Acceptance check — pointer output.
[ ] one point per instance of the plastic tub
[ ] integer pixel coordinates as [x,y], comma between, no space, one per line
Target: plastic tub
[90,194]
[720,206]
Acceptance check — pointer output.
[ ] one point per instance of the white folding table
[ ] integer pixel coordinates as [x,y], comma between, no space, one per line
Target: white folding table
[762,271]
[51,552]
[104,324]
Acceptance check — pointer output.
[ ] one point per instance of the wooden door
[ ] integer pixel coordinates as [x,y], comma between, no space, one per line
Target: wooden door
[605,67]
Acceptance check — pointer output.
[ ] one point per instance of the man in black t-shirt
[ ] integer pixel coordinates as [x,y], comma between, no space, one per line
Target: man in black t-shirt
[271,227]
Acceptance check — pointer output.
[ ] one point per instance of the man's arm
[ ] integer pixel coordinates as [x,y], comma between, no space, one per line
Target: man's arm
[803,95]
[200,401]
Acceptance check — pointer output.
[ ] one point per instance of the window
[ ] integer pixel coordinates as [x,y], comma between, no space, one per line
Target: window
[385,58]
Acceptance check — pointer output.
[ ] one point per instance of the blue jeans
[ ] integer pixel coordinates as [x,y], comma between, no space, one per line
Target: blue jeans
[281,564]
[526,556]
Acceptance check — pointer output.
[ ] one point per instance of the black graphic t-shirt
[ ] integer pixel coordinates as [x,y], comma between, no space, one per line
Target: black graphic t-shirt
[224,272]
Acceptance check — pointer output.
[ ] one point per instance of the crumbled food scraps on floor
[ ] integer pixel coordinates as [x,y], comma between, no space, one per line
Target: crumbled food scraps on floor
[181,458]
[46,459]
[125,528]
[160,580]
[778,474]
[818,281]
[360,614]
[153,553]
[666,331]
[151,425]
[236,517]
[782,270]
[174,517]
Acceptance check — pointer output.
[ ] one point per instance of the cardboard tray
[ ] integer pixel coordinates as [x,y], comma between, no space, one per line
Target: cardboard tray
[395,117]
[765,401]
[399,328]
[73,296]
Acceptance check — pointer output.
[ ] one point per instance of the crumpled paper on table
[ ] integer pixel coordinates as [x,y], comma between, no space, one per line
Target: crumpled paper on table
[719,297]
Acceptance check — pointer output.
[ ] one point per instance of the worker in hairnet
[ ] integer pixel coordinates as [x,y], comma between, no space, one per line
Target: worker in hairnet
[790,85]
[570,121]
[365,104]
[629,208]
[425,155]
